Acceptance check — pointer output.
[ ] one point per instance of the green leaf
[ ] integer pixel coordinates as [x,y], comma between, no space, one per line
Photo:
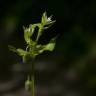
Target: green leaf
[32,28]
[21,52]
[28,32]
[11,48]
[27,35]
[51,45]
[48,47]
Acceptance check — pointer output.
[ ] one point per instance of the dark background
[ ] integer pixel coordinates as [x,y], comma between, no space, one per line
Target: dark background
[70,70]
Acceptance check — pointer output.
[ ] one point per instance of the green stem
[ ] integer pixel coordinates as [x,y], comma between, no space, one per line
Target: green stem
[33,86]
[33,78]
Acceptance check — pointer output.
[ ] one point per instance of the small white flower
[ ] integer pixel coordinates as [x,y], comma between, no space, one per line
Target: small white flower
[49,19]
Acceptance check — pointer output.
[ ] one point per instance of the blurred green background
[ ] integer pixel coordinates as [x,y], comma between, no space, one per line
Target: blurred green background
[70,70]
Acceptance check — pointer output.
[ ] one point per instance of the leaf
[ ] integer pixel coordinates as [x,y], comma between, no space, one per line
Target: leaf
[21,52]
[48,47]
[11,48]
[28,32]
[27,35]
[51,45]
[32,28]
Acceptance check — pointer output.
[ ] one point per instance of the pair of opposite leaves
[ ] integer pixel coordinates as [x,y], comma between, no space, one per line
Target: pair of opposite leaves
[33,48]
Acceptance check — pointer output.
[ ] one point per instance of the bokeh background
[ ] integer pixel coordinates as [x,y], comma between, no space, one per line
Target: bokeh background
[70,70]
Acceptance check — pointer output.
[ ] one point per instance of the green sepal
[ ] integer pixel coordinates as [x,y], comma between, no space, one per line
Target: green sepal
[44,18]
